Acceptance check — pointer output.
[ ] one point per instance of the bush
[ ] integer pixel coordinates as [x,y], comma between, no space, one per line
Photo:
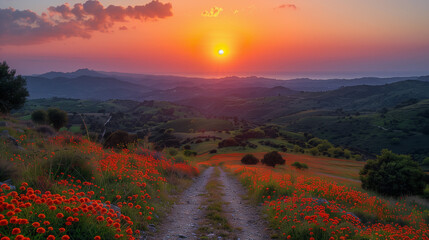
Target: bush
[39,117]
[189,153]
[299,165]
[249,159]
[392,174]
[230,142]
[45,130]
[119,140]
[57,118]
[70,162]
[213,151]
[172,151]
[272,159]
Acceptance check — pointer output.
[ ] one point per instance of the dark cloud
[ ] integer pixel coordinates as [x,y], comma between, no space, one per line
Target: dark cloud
[287,6]
[26,27]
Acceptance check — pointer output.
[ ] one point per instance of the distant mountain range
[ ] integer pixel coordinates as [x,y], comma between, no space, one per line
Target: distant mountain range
[90,84]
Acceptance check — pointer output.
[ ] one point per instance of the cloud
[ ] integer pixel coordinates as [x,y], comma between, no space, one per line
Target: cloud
[287,6]
[82,20]
[213,12]
[123,28]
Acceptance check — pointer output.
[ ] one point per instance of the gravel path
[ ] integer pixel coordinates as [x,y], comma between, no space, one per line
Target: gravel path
[183,220]
[243,215]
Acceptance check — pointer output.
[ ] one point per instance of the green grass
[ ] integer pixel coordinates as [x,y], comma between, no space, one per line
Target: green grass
[215,219]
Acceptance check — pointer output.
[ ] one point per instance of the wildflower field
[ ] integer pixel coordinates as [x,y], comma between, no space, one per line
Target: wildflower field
[303,205]
[66,187]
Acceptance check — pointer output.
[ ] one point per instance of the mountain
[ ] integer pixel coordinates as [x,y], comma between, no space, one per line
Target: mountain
[78,73]
[166,82]
[83,87]
[356,98]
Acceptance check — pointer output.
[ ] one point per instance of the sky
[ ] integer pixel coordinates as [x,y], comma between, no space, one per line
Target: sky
[289,38]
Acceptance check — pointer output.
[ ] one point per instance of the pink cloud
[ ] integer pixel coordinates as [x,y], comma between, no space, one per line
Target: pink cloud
[26,27]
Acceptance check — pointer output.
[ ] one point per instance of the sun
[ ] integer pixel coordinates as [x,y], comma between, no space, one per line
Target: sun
[221,52]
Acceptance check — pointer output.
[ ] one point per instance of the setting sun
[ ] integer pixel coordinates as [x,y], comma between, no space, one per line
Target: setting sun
[221,52]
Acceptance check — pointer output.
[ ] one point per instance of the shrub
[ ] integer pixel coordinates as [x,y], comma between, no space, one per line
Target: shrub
[189,153]
[70,162]
[299,165]
[230,142]
[213,151]
[172,151]
[272,159]
[249,159]
[187,147]
[57,118]
[39,117]
[45,130]
[119,140]
[392,174]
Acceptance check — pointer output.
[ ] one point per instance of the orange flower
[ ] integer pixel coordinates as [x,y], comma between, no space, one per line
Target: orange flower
[149,217]
[16,231]
[97,238]
[65,237]
[62,229]
[60,215]
[42,216]
[3,222]
[41,230]
[5,238]
[51,237]
[36,224]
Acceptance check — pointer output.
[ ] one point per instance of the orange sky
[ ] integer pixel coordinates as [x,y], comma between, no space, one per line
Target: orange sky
[259,37]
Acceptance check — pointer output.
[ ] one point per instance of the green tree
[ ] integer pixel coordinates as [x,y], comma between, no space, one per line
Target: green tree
[393,175]
[39,117]
[272,159]
[249,159]
[13,92]
[57,118]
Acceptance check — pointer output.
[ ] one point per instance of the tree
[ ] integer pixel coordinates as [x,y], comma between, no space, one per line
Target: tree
[12,89]
[272,159]
[393,175]
[249,159]
[39,117]
[57,118]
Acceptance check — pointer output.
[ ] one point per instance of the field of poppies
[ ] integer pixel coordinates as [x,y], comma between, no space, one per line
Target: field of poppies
[67,187]
[302,206]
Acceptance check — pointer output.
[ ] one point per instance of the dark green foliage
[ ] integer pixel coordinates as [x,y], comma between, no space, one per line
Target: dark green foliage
[119,140]
[189,153]
[69,162]
[249,159]
[392,174]
[39,117]
[230,142]
[13,91]
[213,151]
[299,165]
[272,159]
[57,118]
